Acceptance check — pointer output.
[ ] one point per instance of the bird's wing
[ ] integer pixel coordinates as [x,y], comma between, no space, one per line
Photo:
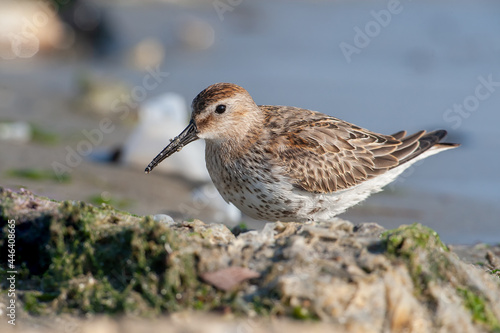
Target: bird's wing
[323,154]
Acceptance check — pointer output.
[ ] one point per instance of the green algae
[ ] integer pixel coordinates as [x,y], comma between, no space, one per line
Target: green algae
[98,260]
[410,243]
[100,199]
[42,136]
[37,174]
[303,313]
[479,309]
[424,254]
[406,239]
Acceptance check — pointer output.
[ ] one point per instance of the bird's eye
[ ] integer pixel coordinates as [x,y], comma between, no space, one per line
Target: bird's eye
[221,108]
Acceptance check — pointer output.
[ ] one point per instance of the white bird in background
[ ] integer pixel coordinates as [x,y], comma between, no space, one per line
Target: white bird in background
[160,119]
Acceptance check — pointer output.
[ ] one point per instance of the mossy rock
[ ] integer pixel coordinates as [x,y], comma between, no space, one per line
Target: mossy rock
[73,257]
[76,257]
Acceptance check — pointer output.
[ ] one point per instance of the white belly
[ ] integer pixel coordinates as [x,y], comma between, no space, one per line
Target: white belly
[267,195]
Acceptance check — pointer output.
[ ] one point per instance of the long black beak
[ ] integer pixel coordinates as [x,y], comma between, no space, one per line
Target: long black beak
[189,135]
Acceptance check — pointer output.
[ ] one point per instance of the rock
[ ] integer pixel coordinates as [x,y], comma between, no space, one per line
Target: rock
[19,131]
[228,278]
[80,259]
[163,218]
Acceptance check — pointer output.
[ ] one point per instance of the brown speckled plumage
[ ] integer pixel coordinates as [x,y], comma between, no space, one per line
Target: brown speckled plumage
[291,164]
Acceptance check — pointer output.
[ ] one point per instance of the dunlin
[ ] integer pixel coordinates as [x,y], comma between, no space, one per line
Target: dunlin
[281,163]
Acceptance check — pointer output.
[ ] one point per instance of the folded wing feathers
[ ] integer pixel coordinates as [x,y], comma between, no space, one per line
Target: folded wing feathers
[399,135]
[347,155]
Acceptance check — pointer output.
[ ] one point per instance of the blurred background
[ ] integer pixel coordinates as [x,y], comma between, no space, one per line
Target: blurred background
[91,91]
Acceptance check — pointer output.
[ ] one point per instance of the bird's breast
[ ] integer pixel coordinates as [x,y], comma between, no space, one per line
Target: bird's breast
[251,182]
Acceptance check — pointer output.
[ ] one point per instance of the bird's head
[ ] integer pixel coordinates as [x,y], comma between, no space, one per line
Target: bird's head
[223,112]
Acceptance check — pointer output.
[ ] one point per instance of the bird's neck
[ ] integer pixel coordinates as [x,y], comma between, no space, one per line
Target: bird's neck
[237,143]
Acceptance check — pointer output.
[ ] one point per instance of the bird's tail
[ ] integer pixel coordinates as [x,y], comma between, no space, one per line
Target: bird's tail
[418,143]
